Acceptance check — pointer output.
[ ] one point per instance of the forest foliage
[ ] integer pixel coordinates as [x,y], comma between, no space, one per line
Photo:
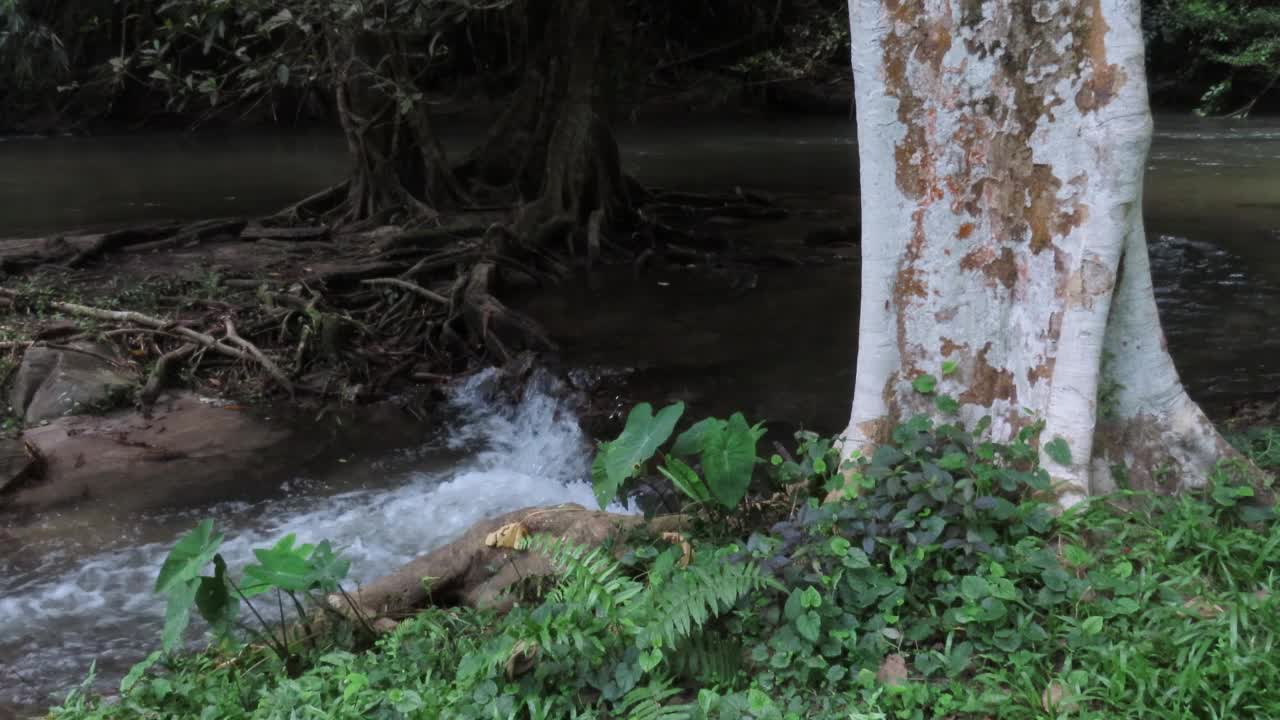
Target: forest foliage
[75,63]
[941,586]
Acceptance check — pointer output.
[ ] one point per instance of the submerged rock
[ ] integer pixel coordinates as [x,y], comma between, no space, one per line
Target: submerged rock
[56,381]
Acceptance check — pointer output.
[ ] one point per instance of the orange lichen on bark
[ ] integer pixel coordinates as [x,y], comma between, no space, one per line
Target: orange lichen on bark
[1104,79]
[988,384]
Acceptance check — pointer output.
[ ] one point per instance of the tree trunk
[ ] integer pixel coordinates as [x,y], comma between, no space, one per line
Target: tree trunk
[398,163]
[1002,148]
[554,146]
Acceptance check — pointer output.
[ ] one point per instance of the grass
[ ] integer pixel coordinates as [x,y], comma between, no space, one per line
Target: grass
[1134,607]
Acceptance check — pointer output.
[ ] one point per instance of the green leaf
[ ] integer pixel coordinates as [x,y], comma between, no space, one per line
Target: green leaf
[811,598]
[809,625]
[1092,625]
[1058,451]
[794,605]
[856,559]
[214,599]
[689,442]
[974,588]
[605,491]
[188,558]
[640,439]
[925,384]
[328,569]
[281,566]
[758,702]
[1077,556]
[137,671]
[946,404]
[1124,606]
[650,659]
[949,367]
[840,547]
[177,614]
[685,479]
[953,461]
[728,458]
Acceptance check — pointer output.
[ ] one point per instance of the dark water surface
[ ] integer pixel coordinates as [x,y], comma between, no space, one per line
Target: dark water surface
[782,349]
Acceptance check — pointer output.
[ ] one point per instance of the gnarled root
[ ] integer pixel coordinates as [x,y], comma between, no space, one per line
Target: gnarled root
[469,572]
[503,331]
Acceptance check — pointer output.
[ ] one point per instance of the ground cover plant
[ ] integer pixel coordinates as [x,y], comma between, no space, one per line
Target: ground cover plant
[938,586]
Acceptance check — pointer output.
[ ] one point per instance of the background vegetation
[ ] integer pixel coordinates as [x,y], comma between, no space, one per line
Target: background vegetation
[940,586]
[68,65]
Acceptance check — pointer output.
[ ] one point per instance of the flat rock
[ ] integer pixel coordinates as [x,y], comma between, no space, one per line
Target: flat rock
[56,381]
[18,465]
[184,451]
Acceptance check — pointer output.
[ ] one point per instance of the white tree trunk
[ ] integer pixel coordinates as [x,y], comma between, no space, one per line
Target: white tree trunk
[1002,148]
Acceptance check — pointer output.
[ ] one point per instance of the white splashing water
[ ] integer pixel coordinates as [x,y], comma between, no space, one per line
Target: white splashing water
[55,621]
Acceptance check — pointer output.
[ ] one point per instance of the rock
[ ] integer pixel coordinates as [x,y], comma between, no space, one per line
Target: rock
[184,452]
[20,465]
[893,671]
[54,382]
[1055,699]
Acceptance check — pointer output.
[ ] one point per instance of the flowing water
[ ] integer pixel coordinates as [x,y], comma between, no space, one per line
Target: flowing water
[782,350]
[67,604]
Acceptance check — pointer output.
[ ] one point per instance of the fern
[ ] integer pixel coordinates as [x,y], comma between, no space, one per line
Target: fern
[712,663]
[689,599]
[646,703]
[588,577]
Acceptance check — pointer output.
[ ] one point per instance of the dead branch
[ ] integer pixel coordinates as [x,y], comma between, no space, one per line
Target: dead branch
[410,287]
[160,374]
[266,362]
[208,341]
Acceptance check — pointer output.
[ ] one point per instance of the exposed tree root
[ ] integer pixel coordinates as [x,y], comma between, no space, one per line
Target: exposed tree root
[476,573]
[420,301]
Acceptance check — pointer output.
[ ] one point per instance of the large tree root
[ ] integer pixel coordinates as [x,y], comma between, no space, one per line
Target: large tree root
[472,572]
[422,301]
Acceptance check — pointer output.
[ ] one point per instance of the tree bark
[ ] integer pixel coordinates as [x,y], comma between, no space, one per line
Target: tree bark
[398,163]
[1002,148]
[555,147]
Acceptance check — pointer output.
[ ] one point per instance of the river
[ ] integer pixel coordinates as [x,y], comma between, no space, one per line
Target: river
[781,350]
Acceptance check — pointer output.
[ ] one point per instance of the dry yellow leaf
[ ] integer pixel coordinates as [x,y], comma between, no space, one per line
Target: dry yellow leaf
[507,536]
[675,537]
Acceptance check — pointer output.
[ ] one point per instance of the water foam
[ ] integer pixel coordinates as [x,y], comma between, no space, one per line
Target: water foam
[55,621]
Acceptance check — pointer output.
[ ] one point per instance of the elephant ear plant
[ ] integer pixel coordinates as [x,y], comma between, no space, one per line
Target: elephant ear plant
[711,462]
[294,573]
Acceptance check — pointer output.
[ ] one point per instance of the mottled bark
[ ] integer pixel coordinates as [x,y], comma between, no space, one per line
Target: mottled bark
[1002,149]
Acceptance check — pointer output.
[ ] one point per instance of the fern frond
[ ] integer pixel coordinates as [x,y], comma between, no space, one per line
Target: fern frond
[707,662]
[691,598]
[646,703]
[588,576]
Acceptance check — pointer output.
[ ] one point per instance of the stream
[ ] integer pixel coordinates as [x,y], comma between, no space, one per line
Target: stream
[781,350]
